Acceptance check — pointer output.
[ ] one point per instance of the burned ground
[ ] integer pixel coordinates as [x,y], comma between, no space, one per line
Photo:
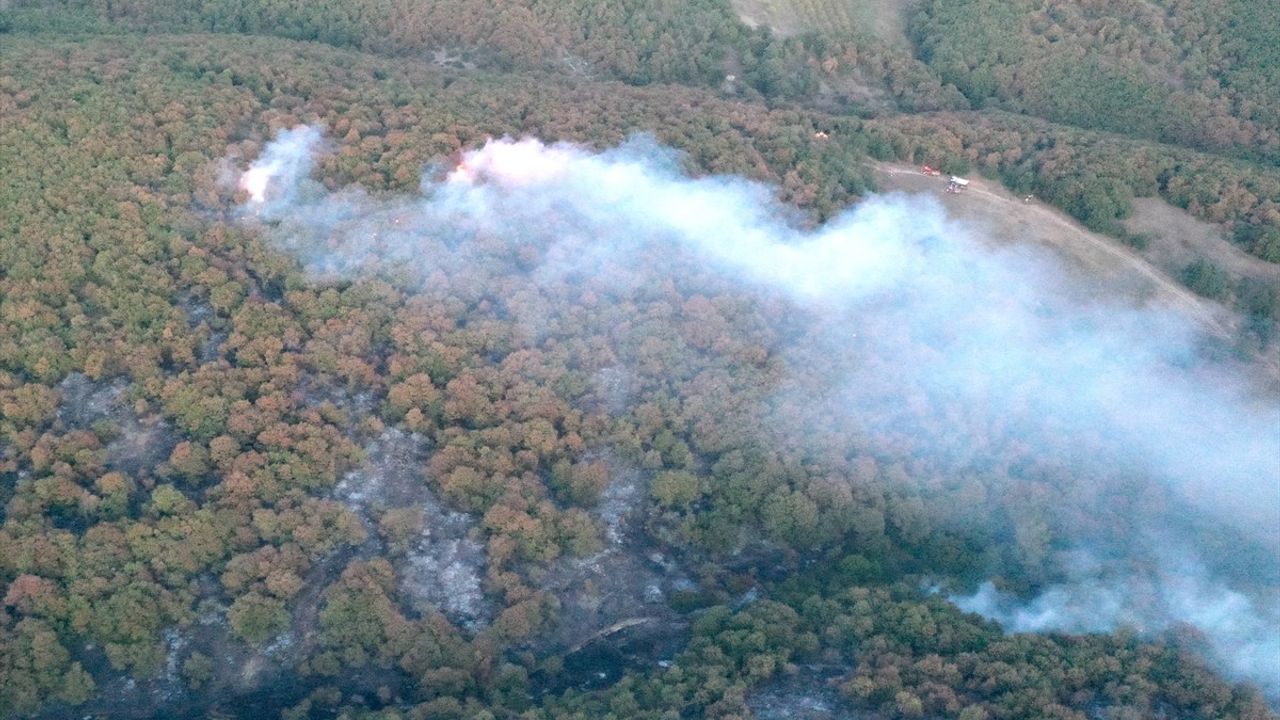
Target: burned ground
[444,567]
[136,444]
[616,607]
[803,693]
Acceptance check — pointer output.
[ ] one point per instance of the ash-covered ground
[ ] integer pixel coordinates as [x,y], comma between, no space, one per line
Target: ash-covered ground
[137,442]
[445,567]
[618,609]
[805,695]
[615,606]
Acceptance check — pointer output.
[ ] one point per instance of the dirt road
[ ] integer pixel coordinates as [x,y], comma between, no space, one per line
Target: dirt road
[1105,262]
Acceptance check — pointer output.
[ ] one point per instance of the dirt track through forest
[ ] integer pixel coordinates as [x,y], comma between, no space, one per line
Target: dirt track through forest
[1012,220]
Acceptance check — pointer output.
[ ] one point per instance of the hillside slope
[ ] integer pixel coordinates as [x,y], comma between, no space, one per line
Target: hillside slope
[1151,277]
[997,214]
[438,482]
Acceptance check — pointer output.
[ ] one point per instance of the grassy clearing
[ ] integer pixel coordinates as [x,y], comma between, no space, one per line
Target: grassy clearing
[886,19]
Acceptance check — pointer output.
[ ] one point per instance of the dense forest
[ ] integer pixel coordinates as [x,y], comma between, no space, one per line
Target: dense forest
[1197,74]
[1191,75]
[237,482]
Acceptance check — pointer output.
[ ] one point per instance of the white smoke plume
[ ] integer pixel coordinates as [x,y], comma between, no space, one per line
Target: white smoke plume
[897,308]
[272,179]
[1241,634]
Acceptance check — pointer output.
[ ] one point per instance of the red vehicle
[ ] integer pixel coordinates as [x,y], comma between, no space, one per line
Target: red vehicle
[930,171]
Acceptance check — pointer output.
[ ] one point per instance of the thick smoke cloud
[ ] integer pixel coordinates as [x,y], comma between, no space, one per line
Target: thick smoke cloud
[900,307]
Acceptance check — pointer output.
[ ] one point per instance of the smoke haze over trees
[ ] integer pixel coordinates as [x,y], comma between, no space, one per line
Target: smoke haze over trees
[942,319]
[658,411]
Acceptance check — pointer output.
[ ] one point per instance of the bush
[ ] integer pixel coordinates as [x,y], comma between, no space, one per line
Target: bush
[1206,279]
[1137,241]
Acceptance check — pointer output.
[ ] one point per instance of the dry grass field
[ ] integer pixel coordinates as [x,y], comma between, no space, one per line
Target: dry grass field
[885,19]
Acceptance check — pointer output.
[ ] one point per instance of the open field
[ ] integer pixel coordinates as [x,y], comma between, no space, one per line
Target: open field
[885,19]
[997,213]
[1102,265]
[1178,238]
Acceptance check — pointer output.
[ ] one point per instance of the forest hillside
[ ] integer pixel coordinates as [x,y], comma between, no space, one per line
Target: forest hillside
[524,359]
